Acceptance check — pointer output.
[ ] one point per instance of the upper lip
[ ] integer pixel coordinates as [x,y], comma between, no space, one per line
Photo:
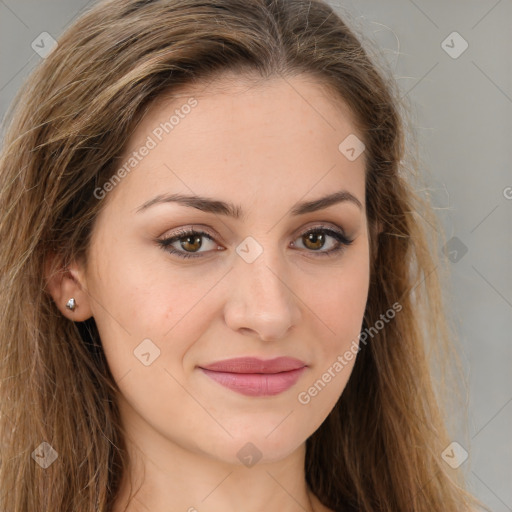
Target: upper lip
[255,365]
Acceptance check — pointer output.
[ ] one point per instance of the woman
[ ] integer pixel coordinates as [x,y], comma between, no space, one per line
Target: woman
[217,292]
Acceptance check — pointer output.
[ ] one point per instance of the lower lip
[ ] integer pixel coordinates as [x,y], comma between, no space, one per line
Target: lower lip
[256,384]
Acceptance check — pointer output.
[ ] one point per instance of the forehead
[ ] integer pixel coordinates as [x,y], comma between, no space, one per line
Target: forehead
[245,137]
[300,95]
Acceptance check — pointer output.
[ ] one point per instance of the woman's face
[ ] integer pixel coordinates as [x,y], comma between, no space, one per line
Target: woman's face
[255,281]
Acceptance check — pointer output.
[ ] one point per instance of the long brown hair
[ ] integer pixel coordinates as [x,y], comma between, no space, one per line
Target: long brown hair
[380,447]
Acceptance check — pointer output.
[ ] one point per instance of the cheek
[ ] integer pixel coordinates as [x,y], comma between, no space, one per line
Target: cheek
[149,307]
[339,303]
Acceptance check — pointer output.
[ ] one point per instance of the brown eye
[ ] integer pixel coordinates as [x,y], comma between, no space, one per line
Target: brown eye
[191,243]
[314,241]
[323,241]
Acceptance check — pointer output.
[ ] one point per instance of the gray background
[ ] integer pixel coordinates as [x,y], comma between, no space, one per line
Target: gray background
[463,115]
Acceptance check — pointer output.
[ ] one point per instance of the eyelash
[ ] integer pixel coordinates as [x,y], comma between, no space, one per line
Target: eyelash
[343,241]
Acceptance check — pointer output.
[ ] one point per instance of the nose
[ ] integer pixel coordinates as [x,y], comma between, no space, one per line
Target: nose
[262,302]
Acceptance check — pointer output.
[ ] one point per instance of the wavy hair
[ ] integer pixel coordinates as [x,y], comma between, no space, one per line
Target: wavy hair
[380,447]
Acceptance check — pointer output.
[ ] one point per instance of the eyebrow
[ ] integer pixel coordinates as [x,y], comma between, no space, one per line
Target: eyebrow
[231,210]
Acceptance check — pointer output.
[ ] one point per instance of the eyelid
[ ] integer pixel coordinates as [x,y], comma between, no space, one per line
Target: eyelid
[312,226]
[191,228]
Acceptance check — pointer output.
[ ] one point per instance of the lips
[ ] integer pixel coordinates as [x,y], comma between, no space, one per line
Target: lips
[256,377]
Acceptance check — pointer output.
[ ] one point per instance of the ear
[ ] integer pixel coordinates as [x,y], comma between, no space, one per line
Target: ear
[64,283]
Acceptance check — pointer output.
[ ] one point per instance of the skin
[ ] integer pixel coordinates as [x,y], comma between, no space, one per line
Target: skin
[264,147]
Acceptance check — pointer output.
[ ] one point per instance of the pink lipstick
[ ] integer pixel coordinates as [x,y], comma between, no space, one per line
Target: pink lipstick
[256,377]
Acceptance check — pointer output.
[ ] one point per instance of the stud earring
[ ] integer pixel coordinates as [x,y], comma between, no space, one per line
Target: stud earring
[71,304]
